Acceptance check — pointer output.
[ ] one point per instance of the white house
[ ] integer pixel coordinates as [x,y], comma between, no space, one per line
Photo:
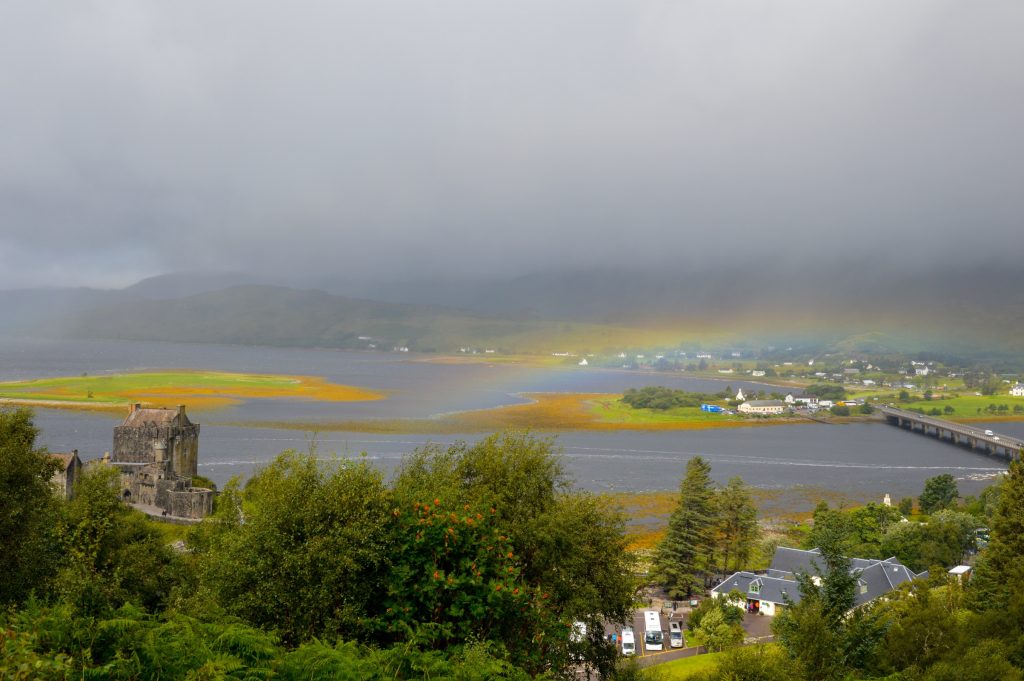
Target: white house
[583,362]
[739,395]
[768,593]
[757,373]
[762,407]
[1017,390]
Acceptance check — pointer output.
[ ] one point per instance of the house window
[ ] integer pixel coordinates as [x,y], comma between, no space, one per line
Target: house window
[863,588]
[755,588]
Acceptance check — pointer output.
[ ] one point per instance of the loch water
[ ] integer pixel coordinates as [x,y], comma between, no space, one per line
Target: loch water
[860,460]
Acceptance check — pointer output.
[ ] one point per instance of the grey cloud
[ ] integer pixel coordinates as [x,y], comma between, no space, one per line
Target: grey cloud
[389,138]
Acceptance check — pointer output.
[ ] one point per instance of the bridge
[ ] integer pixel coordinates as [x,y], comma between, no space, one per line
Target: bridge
[957,433]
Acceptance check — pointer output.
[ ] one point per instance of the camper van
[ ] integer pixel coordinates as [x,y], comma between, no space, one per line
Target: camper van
[628,642]
[675,635]
[653,637]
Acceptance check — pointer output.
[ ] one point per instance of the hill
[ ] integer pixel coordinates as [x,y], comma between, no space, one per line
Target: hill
[279,316]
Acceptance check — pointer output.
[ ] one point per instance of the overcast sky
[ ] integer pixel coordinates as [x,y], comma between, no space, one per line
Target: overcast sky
[378,138]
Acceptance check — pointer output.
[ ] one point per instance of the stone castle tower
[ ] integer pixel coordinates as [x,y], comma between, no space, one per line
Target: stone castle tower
[157,452]
[167,434]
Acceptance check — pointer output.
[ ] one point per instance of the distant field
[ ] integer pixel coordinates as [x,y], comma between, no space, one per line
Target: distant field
[970,407]
[198,389]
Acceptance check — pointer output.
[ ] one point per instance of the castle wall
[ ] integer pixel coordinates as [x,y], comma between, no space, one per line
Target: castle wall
[135,444]
[184,451]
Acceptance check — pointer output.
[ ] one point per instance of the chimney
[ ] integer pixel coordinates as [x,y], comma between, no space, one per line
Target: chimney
[181,414]
[135,407]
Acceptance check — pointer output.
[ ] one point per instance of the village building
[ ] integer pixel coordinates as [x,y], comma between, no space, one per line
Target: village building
[739,395]
[762,407]
[801,400]
[64,479]
[1017,390]
[769,593]
[157,452]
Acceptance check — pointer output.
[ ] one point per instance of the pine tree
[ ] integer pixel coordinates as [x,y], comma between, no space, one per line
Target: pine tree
[737,530]
[1001,565]
[683,554]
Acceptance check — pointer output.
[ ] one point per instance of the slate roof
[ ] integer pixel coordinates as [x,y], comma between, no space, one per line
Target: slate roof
[65,458]
[138,417]
[788,562]
[875,578]
[766,403]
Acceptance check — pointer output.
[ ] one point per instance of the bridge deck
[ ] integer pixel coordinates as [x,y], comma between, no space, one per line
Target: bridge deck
[960,433]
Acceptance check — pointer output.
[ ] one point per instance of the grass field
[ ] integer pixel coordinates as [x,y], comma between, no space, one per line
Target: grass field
[970,407]
[686,667]
[198,389]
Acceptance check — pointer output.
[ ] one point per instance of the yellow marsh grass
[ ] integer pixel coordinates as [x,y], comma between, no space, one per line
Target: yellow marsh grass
[198,389]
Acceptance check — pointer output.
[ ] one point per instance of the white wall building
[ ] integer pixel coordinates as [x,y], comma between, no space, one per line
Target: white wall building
[762,407]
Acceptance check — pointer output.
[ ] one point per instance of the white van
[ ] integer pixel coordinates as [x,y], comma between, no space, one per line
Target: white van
[675,635]
[653,637]
[628,642]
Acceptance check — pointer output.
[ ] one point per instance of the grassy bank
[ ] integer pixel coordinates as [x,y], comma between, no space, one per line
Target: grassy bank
[198,389]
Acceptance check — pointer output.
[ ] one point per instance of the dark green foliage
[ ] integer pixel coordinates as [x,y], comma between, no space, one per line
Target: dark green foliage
[302,550]
[923,626]
[683,555]
[753,663]
[737,531]
[479,542]
[906,506]
[112,555]
[661,398]
[569,550]
[1000,569]
[129,645]
[939,492]
[820,633]
[866,409]
[840,410]
[28,509]
[826,391]
[731,614]
[868,525]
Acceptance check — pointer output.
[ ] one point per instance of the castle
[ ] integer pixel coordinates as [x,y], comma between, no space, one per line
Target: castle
[157,452]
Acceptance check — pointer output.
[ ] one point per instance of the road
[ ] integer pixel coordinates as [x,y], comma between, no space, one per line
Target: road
[757,627]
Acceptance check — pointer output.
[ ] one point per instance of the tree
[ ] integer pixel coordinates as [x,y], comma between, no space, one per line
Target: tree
[939,492]
[737,529]
[819,631]
[1000,568]
[568,543]
[309,556]
[682,556]
[715,633]
[904,396]
[111,554]
[923,627]
[753,663]
[28,509]
[906,506]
